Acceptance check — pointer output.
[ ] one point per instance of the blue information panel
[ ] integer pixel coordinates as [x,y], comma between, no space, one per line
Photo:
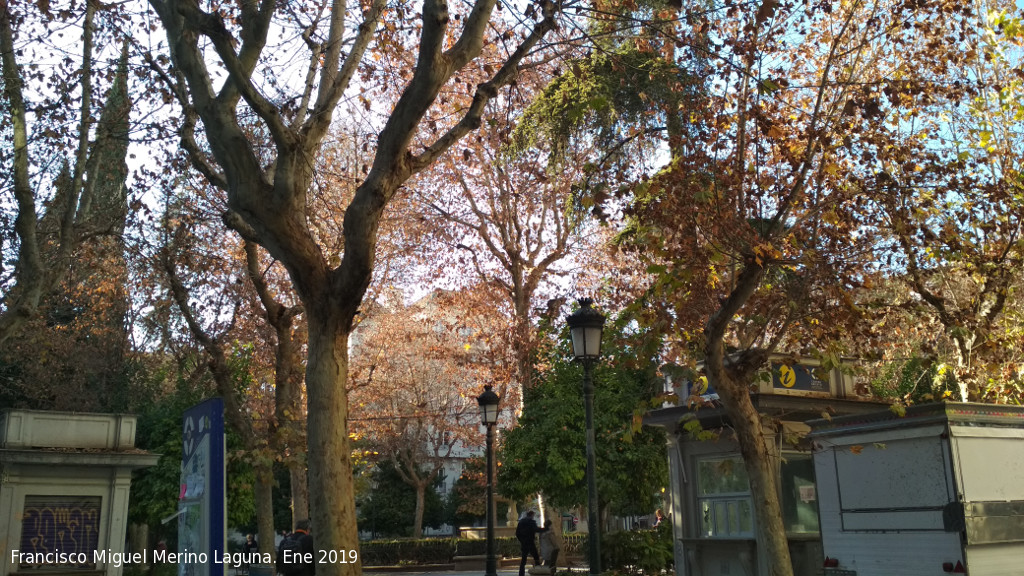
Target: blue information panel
[202,500]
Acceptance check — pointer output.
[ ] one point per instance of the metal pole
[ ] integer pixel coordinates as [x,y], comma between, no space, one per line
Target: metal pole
[491,565]
[593,523]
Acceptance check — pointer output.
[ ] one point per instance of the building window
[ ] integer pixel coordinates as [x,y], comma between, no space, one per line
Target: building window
[723,498]
[59,532]
[799,494]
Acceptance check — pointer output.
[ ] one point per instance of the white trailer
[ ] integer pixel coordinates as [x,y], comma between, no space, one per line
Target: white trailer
[937,490]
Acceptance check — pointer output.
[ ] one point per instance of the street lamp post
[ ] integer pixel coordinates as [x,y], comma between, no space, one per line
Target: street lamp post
[488,402]
[585,327]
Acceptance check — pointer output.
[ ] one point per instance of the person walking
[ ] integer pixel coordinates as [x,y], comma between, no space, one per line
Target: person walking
[526,530]
[296,554]
[550,546]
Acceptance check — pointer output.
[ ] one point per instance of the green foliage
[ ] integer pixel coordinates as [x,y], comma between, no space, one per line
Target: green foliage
[282,499]
[506,547]
[443,550]
[915,380]
[638,551]
[282,502]
[398,552]
[601,95]
[467,502]
[546,452]
[390,506]
[691,424]
[155,490]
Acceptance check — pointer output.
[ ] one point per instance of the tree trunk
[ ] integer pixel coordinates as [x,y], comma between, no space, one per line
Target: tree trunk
[964,346]
[265,509]
[300,492]
[762,472]
[733,386]
[138,538]
[332,496]
[289,435]
[523,345]
[421,497]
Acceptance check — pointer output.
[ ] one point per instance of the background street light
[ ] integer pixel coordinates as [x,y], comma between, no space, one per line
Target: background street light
[488,402]
[585,327]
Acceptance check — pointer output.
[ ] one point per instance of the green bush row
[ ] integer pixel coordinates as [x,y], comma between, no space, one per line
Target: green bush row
[399,552]
[628,552]
[506,547]
[443,550]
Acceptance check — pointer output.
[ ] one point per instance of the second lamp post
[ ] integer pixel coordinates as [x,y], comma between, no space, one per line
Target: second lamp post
[585,327]
[488,402]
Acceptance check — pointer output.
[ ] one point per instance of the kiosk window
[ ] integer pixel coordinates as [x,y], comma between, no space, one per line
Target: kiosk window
[724,498]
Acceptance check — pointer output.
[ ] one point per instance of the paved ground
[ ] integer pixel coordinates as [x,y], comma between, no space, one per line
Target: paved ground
[508,569]
[391,571]
[501,572]
[514,571]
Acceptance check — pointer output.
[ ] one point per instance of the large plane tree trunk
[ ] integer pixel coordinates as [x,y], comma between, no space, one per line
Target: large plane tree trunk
[731,375]
[332,501]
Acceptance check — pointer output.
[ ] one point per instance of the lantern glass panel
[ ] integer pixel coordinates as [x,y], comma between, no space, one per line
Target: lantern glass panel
[489,413]
[579,347]
[593,336]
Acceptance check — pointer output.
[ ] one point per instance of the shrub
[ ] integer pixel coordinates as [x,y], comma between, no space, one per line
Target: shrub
[400,552]
[444,550]
[637,551]
[505,546]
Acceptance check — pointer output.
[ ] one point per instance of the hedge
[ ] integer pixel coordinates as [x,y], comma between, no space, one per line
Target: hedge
[444,550]
[398,552]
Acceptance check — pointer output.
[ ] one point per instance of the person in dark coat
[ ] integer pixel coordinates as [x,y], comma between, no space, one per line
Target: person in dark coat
[526,531]
[249,549]
[301,557]
[250,546]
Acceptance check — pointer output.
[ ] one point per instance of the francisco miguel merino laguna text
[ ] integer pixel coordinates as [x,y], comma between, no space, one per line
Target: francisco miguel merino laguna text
[119,559]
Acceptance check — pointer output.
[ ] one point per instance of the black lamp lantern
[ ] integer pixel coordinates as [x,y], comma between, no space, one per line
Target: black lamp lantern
[488,402]
[586,326]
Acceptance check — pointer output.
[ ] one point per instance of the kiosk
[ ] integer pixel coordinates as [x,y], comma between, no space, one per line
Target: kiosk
[64,485]
[937,489]
[710,507]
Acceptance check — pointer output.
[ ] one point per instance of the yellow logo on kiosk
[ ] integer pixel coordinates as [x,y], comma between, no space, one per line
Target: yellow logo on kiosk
[787,376]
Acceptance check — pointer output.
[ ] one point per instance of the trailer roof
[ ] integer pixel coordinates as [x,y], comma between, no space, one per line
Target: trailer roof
[784,407]
[920,415]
